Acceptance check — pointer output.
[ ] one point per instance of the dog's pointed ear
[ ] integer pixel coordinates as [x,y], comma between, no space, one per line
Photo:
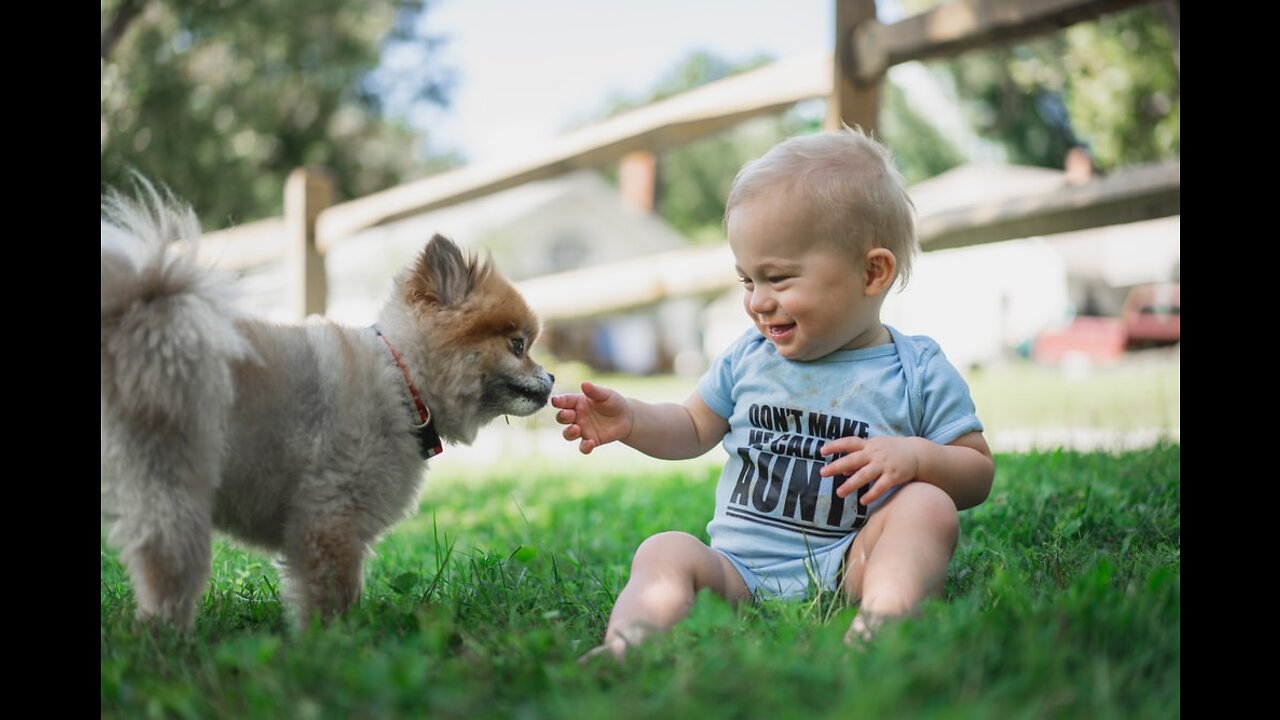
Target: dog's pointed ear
[444,275]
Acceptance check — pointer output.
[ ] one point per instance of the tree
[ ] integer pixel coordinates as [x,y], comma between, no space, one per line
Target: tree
[694,178]
[220,100]
[1110,84]
[1122,88]
[919,149]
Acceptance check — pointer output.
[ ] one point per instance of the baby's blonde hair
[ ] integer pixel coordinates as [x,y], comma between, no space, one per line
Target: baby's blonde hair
[856,195]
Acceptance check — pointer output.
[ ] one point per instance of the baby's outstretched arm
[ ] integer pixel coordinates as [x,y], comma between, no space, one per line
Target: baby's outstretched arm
[963,468]
[669,431]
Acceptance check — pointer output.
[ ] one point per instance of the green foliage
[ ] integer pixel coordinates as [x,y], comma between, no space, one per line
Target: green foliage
[221,100]
[694,178]
[1110,84]
[919,150]
[1063,600]
[699,68]
[1122,88]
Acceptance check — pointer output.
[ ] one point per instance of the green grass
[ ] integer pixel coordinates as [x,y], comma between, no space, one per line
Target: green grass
[1063,601]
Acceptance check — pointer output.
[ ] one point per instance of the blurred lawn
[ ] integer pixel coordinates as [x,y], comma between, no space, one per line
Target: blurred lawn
[1144,392]
[1141,393]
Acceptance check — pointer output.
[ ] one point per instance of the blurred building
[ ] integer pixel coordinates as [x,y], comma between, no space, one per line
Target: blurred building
[574,221]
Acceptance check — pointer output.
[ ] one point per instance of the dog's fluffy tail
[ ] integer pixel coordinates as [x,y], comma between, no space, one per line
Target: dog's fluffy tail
[169,344]
[168,323]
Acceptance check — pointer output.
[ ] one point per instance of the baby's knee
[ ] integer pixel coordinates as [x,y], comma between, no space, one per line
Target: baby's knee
[666,544]
[930,504]
[665,550]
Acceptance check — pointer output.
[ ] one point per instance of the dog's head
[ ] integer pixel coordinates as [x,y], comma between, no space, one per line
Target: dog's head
[474,332]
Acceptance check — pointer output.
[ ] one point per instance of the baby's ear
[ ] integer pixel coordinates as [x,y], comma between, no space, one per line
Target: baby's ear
[881,268]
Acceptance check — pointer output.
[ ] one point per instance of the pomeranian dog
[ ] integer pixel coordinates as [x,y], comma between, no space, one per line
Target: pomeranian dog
[305,440]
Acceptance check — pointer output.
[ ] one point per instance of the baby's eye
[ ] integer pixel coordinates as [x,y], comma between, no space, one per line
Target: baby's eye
[773,279]
[517,346]
[745,281]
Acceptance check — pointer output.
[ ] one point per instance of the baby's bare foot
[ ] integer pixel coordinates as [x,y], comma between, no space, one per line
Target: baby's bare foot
[616,643]
[615,648]
[863,629]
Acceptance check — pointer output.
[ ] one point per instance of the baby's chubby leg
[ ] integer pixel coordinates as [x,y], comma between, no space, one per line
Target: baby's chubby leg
[667,572]
[900,556]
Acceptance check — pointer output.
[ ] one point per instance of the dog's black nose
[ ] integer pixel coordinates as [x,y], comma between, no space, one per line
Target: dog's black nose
[552,376]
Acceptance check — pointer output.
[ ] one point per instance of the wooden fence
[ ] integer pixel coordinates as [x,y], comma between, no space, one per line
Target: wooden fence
[850,79]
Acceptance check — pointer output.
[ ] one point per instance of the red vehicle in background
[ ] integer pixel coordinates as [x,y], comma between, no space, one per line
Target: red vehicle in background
[1151,315]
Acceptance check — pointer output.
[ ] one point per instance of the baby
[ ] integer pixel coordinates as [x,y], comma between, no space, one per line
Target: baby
[851,446]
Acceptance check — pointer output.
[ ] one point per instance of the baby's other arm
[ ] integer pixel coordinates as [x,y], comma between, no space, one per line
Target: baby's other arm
[963,468]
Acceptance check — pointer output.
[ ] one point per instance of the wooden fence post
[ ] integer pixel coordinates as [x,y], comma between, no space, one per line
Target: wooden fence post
[854,101]
[307,191]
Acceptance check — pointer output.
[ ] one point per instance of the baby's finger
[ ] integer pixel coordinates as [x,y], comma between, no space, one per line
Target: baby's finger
[565,401]
[850,486]
[594,392]
[843,445]
[565,417]
[881,486]
[847,465]
[586,446]
[572,432]
[867,474]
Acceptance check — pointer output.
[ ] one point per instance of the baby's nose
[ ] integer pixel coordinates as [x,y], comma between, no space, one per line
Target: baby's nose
[761,301]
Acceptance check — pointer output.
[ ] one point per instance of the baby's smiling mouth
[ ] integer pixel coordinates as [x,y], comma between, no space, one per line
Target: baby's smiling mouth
[778,330]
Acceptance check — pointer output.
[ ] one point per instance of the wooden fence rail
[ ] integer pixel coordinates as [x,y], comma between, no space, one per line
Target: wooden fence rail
[1143,193]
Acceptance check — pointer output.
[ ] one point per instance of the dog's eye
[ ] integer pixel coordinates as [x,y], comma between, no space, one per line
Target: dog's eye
[517,346]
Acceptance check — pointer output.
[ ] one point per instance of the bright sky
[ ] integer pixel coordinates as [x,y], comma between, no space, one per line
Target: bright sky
[527,70]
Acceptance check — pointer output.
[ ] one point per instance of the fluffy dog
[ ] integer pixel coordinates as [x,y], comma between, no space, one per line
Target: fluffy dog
[305,440]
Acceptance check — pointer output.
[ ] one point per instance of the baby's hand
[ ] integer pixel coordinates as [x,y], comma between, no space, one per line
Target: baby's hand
[597,416]
[885,460]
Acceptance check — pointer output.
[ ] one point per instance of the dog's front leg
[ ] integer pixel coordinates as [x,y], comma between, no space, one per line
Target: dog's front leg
[324,568]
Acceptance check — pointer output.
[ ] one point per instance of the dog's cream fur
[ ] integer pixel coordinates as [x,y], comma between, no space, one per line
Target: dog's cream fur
[293,439]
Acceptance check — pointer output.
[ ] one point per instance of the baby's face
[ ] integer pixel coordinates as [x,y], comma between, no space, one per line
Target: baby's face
[808,298]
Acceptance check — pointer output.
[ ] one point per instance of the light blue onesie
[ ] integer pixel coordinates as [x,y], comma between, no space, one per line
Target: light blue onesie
[776,519]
